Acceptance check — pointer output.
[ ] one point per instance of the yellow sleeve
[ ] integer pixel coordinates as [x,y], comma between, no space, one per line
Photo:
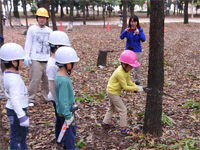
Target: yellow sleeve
[124,83]
[129,82]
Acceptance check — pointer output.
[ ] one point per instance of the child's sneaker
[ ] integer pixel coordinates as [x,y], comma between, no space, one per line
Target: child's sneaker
[126,132]
[107,126]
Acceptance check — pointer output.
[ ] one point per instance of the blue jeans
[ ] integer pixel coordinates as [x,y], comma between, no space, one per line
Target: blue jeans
[69,136]
[58,122]
[17,132]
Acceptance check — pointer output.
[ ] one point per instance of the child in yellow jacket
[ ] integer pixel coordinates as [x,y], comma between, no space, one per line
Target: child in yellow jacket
[119,80]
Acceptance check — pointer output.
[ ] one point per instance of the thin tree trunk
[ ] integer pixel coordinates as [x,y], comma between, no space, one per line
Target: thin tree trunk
[2,132]
[16,13]
[125,4]
[71,15]
[186,12]
[93,11]
[53,17]
[153,111]
[84,17]
[87,10]
[9,16]
[25,12]
[61,11]
[97,10]
[104,20]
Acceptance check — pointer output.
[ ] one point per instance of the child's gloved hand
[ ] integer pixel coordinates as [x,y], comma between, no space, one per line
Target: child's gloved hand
[68,122]
[24,121]
[140,89]
[27,61]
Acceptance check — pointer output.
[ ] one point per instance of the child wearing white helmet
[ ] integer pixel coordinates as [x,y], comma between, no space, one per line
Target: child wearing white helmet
[56,40]
[64,94]
[12,55]
[120,80]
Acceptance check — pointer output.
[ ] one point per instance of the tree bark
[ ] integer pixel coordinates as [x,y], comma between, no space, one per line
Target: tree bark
[84,16]
[25,12]
[15,4]
[71,14]
[153,111]
[61,11]
[53,17]
[2,132]
[125,4]
[186,12]
[103,14]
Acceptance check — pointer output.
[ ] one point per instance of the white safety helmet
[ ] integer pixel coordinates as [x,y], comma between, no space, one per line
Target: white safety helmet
[59,38]
[12,51]
[66,55]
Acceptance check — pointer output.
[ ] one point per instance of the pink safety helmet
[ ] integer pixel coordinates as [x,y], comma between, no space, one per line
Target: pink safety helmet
[130,58]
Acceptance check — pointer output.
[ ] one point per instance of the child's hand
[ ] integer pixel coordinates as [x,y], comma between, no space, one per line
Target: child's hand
[137,31]
[24,121]
[127,30]
[140,89]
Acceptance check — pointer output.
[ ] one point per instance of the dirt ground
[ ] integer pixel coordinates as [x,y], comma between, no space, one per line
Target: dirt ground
[182,80]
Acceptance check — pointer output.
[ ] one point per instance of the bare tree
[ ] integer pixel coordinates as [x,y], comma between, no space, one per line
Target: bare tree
[2,132]
[53,17]
[186,12]
[25,12]
[84,16]
[153,111]
[71,15]
[125,4]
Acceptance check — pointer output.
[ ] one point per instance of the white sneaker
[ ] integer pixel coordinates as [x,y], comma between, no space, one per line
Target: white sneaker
[31,104]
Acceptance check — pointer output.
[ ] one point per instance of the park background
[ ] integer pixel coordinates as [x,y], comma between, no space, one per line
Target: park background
[180,119]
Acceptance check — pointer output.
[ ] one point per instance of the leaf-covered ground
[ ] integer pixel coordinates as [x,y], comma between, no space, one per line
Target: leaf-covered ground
[182,80]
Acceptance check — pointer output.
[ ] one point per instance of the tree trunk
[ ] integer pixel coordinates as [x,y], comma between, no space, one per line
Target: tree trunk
[56,6]
[174,8]
[1,25]
[153,111]
[93,11]
[87,10]
[104,20]
[15,4]
[2,132]
[186,12]
[84,17]
[97,10]
[71,14]
[61,11]
[25,12]
[9,16]
[125,4]
[132,9]
[148,9]
[109,10]
[53,17]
